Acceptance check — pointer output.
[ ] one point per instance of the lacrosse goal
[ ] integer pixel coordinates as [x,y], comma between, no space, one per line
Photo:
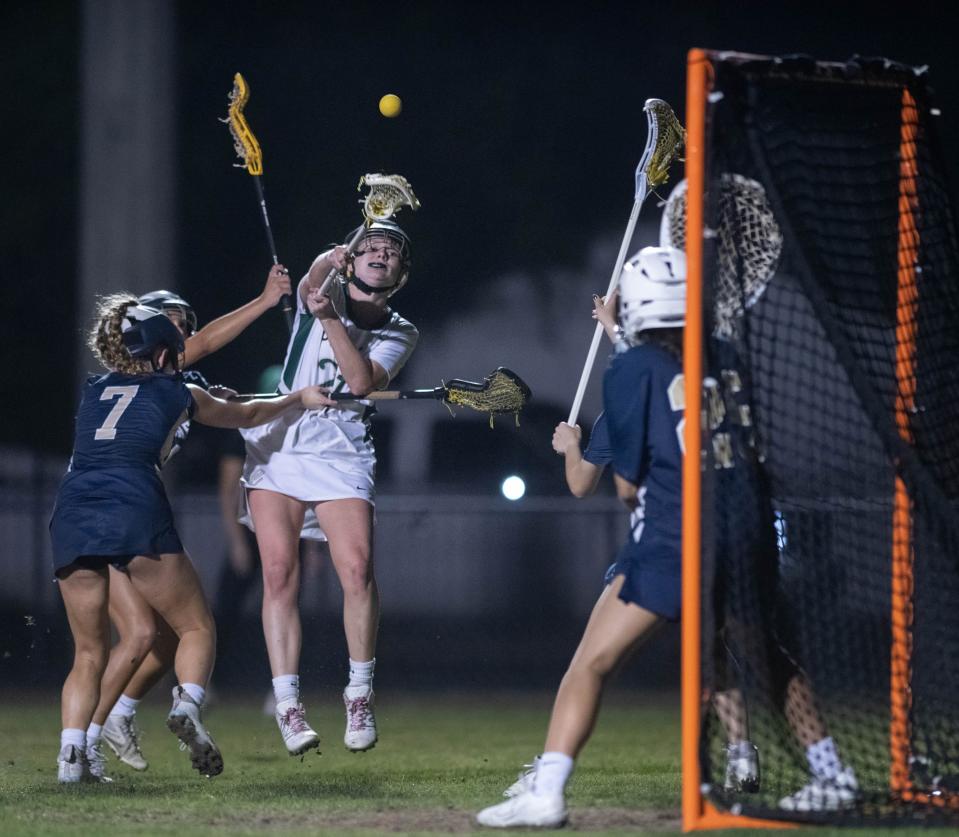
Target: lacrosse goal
[821,493]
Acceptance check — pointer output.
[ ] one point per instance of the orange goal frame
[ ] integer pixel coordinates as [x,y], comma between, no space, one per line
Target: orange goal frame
[698,813]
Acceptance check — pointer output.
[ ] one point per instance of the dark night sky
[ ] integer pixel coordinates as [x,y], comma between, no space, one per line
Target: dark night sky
[522,125]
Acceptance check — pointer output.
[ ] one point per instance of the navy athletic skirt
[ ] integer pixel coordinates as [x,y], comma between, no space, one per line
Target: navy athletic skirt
[653,578]
[115,512]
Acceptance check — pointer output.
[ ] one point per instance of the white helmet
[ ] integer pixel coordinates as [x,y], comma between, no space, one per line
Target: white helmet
[652,290]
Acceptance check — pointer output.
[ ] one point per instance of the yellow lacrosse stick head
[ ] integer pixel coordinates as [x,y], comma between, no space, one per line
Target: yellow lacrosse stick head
[247,148]
[667,137]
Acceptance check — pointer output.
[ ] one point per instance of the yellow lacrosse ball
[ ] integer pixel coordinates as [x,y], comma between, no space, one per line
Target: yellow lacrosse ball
[391,105]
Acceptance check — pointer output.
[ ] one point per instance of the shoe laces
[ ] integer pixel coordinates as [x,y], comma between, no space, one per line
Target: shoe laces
[359,713]
[130,729]
[294,719]
[95,758]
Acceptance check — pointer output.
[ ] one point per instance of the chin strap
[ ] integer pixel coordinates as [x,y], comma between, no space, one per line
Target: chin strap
[369,289]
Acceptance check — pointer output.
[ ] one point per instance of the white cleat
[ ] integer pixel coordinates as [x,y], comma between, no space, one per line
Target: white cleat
[122,735]
[742,768]
[526,809]
[184,722]
[524,781]
[824,794]
[360,723]
[97,763]
[298,735]
[72,767]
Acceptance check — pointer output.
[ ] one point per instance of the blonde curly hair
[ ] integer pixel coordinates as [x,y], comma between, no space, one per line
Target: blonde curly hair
[105,338]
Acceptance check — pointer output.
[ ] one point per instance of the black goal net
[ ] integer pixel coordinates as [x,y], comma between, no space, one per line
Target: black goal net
[830,445]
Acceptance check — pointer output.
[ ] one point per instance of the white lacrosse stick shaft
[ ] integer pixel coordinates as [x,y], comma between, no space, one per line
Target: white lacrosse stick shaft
[598,333]
[642,189]
[349,251]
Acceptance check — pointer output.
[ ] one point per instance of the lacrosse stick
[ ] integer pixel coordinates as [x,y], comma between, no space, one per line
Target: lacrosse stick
[248,150]
[502,391]
[388,194]
[664,140]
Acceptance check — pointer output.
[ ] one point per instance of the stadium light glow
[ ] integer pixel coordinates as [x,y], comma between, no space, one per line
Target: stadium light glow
[513,487]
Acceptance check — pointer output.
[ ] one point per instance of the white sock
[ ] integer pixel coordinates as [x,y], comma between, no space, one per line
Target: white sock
[93,734]
[125,706]
[739,749]
[198,693]
[76,737]
[361,679]
[286,689]
[823,759]
[552,774]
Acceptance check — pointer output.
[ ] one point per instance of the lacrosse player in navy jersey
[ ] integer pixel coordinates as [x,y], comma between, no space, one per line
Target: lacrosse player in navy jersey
[111,509]
[312,476]
[643,406]
[146,646]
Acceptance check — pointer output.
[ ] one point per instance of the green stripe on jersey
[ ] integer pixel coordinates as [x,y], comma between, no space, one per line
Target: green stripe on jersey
[289,371]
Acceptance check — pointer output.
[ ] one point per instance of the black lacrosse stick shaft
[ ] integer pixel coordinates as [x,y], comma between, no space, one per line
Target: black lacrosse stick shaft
[286,302]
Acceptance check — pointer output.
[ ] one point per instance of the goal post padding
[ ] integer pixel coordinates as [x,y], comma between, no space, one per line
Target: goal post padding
[827,485]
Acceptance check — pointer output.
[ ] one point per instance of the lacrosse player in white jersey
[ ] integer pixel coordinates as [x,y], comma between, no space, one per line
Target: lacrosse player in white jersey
[312,477]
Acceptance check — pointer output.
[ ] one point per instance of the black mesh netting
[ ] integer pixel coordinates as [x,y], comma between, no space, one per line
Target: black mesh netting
[832,350]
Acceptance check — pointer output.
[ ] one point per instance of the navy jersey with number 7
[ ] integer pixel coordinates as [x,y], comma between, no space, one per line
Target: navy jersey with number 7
[111,502]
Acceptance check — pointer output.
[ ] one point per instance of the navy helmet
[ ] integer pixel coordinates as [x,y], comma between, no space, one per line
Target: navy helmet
[167,301]
[147,329]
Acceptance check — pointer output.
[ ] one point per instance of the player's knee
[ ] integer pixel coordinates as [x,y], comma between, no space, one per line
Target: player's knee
[279,580]
[356,575]
[138,641]
[598,664]
[91,658]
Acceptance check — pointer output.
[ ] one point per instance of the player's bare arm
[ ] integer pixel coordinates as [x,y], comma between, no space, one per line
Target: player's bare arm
[582,477]
[231,414]
[626,491]
[361,374]
[222,330]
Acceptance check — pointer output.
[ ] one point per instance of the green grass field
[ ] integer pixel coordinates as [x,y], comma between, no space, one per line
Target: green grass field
[439,760]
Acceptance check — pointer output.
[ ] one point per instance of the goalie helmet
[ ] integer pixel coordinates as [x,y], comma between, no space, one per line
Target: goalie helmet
[167,301]
[147,329]
[652,290]
[392,231]
[749,243]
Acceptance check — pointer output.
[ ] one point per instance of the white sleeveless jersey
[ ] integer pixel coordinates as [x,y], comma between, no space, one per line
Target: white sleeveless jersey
[310,359]
[323,454]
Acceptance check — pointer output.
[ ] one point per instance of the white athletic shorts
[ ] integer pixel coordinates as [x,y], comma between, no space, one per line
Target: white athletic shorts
[311,458]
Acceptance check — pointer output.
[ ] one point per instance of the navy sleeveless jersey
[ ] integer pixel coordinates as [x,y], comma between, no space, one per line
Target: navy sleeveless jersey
[111,502]
[644,398]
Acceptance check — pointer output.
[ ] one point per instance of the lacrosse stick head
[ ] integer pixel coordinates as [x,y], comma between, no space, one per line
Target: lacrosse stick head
[388,194]
[247,148]
[749,245]
[665,137]
[502,391]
